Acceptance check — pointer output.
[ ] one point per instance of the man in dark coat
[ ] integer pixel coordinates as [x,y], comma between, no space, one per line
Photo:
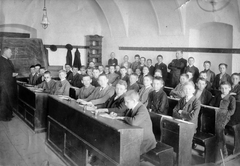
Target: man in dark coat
[8,86]
[177,68]
[161,66]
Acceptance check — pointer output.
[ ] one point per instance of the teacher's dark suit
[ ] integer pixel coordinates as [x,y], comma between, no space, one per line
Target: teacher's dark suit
[140,117]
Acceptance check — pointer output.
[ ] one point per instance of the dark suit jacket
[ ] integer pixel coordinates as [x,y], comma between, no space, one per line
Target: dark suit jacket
[95,82]
[40,79]
[62,88]
[158,102]
[139,116]
[217,81]
[134,86]
[194,70]
[236,89]
[205,97]
[163,68]
[118,106]
[190,110]
[76,81]
[48,87]
[151,70]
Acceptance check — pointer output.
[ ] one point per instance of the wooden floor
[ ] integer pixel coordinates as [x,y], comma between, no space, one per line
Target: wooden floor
[20,146]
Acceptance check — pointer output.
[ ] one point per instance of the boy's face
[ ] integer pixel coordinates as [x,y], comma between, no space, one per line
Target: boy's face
[100,68]
[149,62]
[83,71]
[117,68]
[137,59]
[201,85]
[133,79]
[138,71]
[235,79]
[89,72]
[42,71]
[102,80]
[86,81]
[130,103]
[178,55]
[190,75]
[190,61]
[112,69]
[62,75]
[157,74]
[106,70]
[183,79]
[96,73]
[142,61]
[67,67]
[222,69]
[145,71]
[47,77]
[225,89]
[203,75]
[206,66]
[159,59]
[157,85]
[188,90]
[32,70]
[125,58]
[37,68]
[75,70]
[120,89]
[91,64]
[112,55]
[129,71]
[147,81]
[123,71]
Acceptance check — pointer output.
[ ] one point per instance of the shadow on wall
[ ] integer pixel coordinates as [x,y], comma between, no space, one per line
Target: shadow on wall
[19,28]
[212,35]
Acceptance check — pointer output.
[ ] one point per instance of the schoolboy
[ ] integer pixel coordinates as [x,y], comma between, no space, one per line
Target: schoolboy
[178,92]
[201,93]
[62,86]
[146,89]
[48,85]
[87,89]
[133,85]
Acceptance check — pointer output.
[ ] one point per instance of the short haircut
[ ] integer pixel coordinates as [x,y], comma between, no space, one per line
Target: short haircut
[207,62]
[75,67]
[145,67]
[47,72]
[38,65]
[159,79]
[32,66]
[204,72]
[191,58]
[184,75]
[181,51]
[62,71]
[225,83]
[83,67]
[149,60]
[235,74]
[132,94]
[159,56]
[149,76]
[134,74]
[86,75]
[137,56]
[96,69]
[107,66]
[202,79]
[5,49]
[143,58]
[103,75]
[90,68]
[224,64]
[42,68]
[125,56]
[189,83]
[112,66]
[122,82]
[123,68]
[158,70]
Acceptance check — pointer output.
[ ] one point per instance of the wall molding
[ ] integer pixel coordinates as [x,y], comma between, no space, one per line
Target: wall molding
[63,46]
[184,49]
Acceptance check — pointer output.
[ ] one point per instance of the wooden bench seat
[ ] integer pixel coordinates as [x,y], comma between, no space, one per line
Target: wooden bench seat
[161,155]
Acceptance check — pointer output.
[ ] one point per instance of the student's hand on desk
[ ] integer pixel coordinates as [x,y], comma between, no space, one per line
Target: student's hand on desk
[102,110]
[89,104]
[79,100]
[119,117]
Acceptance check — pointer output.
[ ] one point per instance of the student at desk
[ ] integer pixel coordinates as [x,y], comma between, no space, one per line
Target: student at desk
[178,92]
[87,89]
[62,86]
[100,94]
[48,85]
[137,115]
[116,102]
[201,93]
[188,107]
[227,106]
[235,86]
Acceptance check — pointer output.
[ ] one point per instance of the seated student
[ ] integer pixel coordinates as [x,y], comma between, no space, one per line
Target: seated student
[129,71]
[112,76]
[117,69]
[101,69]
[227,106]
[90,71]
[91,64]
[158,73]
[210,73]
[188,107]
[41,76]
[96,74]
[138,72]
[83,70]
[161,66]
[76,79]
[178,92]
[31,75]
[48,85]
[125,63]
[202,94]
[193,69]
[116,103]
[150,66]
[133,85]
[203,74]
[157,99]
[136,63]
[106,70]
[142,63]
[235,86]
[190,76]
[112,61]
[123,75]
[37,74]
[222,76]
[68,69]
[87,89]
[63,86]
[145,72]
[146,89]
[100,94]
[137,115]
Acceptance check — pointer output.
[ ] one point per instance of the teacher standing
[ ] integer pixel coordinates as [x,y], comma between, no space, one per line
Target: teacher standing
[8,86]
